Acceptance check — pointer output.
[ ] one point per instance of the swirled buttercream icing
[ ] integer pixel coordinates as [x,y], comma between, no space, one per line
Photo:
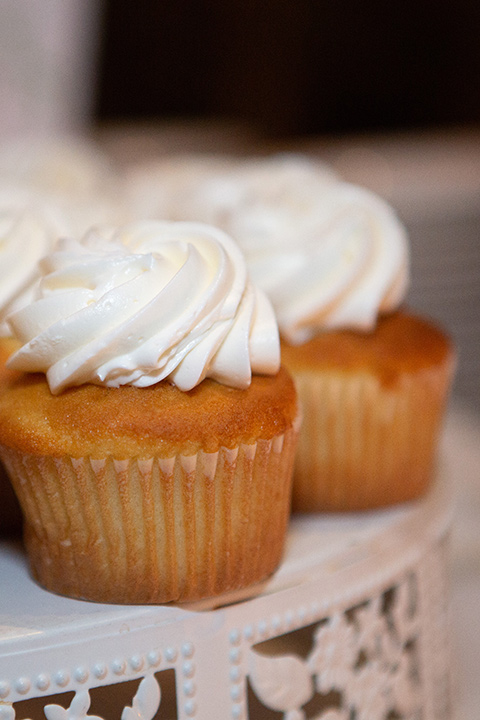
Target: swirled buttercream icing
[180,187]
[329,254]
[208,188]
[338,261]
[26,235]
[144,303]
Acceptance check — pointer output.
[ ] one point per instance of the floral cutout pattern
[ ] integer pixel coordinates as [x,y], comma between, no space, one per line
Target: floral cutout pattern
[145,704]
[78,709]
[363,660]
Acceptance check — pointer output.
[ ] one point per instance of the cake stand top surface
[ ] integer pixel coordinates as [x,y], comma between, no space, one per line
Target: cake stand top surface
[325,546]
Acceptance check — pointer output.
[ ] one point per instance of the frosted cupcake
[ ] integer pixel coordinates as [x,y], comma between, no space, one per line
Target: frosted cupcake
[373,379]
[151,436]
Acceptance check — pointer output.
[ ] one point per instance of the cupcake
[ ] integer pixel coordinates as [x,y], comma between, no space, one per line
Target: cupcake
[373,404]
[151,433]
[372,378]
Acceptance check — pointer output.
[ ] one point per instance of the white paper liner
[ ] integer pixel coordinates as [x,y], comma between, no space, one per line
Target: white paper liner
[156,529]
[363,444]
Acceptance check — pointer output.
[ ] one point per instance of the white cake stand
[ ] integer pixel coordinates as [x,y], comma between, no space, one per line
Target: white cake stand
[353,626]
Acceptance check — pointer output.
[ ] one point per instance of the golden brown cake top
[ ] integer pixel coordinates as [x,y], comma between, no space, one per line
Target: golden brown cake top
[7,346]
[129,421]
[401,342]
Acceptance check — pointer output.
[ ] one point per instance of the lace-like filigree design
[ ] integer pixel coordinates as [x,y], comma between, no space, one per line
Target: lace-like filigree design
[369,645]
[78,709]
[363,663]
[285,683]
[7,711]
[145,704]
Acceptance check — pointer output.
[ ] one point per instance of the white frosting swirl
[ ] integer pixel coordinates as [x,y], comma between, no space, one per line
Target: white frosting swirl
[338,263]
[328,254]
[180,187]
[148,302]
[209,188]
[27,233]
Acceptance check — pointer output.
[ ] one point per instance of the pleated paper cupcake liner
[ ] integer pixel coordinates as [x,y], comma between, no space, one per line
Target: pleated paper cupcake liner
[155,530]
[363,444]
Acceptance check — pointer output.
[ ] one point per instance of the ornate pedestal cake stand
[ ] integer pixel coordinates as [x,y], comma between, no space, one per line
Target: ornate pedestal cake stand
[353,626]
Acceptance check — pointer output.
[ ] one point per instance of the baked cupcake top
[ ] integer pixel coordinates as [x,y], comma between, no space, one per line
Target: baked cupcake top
[402,344]
[147,302]
[155,420]
[8,345]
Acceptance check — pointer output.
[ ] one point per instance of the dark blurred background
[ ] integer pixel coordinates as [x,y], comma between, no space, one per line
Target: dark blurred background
[292,66]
